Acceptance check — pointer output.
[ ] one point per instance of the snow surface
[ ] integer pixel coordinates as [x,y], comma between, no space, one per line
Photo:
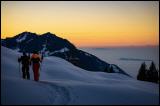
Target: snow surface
[17,49]
[65,84]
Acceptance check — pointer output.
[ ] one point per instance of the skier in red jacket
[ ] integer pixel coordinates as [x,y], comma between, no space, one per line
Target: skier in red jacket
[36,59]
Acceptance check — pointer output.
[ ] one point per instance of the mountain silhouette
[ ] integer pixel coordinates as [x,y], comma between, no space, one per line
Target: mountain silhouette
[52,45]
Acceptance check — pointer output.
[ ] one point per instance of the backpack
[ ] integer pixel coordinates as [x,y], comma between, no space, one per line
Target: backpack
[35,58]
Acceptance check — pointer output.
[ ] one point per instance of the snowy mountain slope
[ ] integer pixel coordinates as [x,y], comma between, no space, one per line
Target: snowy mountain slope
[63,83]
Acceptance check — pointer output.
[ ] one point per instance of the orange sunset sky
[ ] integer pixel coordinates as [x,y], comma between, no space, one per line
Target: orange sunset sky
[85,23]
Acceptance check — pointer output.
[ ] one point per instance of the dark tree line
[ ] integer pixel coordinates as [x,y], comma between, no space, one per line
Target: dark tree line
[151,74]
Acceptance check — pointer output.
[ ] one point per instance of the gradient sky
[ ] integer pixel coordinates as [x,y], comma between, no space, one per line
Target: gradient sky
[85,23]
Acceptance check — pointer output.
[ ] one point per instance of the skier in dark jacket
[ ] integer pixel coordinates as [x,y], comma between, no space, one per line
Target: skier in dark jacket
[25,61]
[35,60]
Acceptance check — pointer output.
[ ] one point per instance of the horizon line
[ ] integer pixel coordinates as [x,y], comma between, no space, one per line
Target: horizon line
[116,46]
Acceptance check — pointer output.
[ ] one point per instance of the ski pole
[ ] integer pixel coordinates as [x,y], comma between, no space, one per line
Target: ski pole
[41,61]
[19,70]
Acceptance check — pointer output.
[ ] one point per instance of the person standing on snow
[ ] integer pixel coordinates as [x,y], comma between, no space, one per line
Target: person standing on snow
[25,60]
[35,60]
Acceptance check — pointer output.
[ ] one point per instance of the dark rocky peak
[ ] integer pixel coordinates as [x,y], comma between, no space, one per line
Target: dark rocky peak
[49,35]
[26,34]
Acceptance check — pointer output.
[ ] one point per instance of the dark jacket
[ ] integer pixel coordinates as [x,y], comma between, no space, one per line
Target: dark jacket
[25,60]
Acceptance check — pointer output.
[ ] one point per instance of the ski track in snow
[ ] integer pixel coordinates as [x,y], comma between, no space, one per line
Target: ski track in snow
[62,96]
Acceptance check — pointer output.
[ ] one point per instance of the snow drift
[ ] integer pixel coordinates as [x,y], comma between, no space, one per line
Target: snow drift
[63,83]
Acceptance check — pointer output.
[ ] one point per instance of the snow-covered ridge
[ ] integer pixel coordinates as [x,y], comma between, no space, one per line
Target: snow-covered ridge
[48,53]
[65,49]
[65,84]
[21,38]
